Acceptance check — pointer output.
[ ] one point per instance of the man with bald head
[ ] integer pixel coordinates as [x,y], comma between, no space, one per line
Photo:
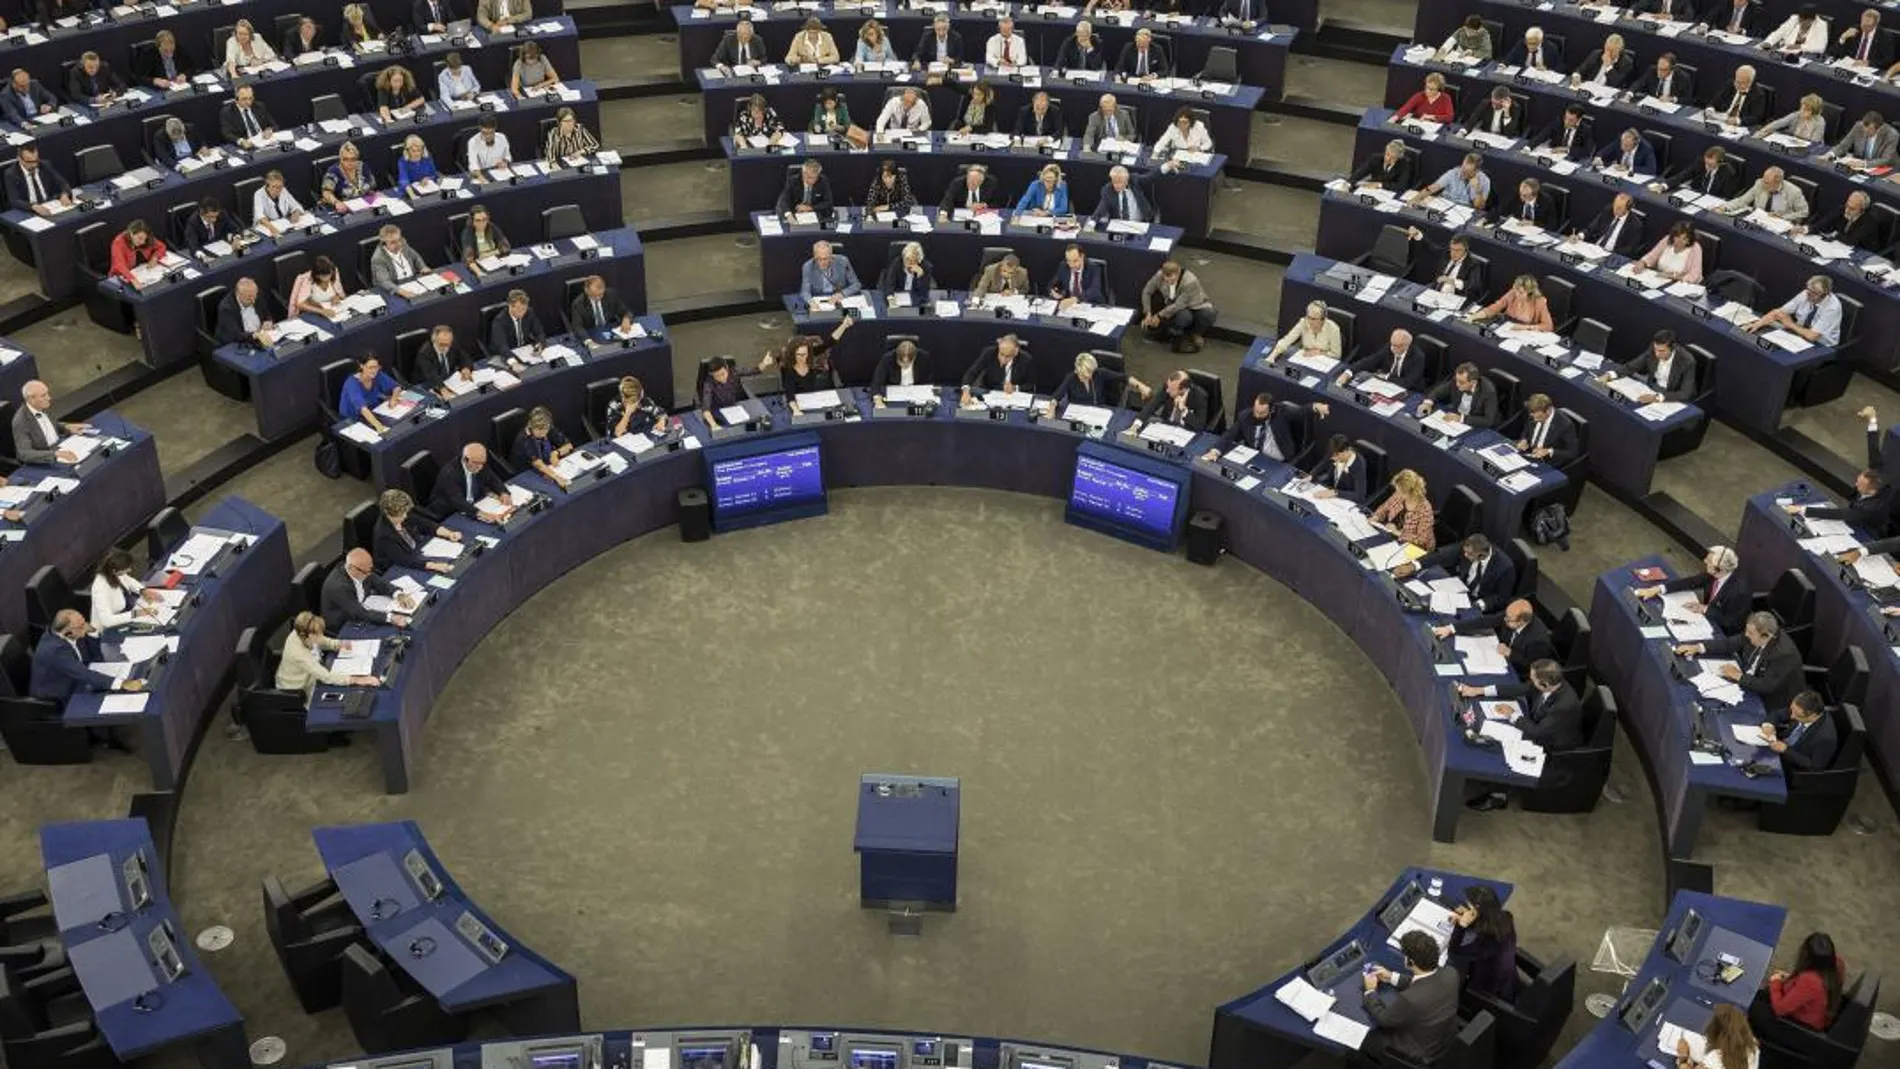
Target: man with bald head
[243,318]
[1523,640]
[1774,194]
[35,435]
[1397,362]
[60,661]
[1854,224]
[1108,120]
[352,583]
[462,486]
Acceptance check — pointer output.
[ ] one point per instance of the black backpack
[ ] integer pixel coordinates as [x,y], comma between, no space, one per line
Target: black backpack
[1551,524]
[329,459]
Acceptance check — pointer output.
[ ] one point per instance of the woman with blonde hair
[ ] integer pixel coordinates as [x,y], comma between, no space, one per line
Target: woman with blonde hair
[1807,122]
[1523,304]
[1407,514]
[302,665]
[633,412]
[1727,1043]
[244,50]
[874,45]
[359,28]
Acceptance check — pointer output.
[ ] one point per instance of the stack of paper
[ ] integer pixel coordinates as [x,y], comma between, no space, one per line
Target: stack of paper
[360,658]
[911,395]
[818,400]
[1342,1030]
[1304,999]
[1748,734]
[1480,654]
[1524,758]
[1095,416]
[1167,432]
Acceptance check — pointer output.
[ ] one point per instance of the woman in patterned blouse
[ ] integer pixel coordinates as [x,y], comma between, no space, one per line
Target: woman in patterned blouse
[1407,514]
[569,137]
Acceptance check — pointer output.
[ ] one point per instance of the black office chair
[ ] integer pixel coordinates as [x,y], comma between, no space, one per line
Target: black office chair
[95,263]
[352,455]
[1508,387]
[1559,197]
[16,666]
[571,291]
[1391,253]
[47,593]
[1474,1047]
[1818,797]
[44,1024]
[177,217]
[1791,601]
[1216,401]
[359,525]
[1348,323]
[1108,280]
[1223,65]
[1733,286]
[165,531]
[409,344]
[1571,637]
[503,429]
[325,108]
[151,130]
[309,931]
[1592,336]
[1525,566]
[418,478]
[273,718]
[96,163]
[307,584]
[1687,438]
[1787,1044]
[219,35]
[285,267]
[365,252]
[1845,681]
[1561,295]
[1461,516]
[35,735]
[1573,780]
[562,221]
[1529,1023]
[387,1012]
[1378,468]
[1577,471]
[599,394]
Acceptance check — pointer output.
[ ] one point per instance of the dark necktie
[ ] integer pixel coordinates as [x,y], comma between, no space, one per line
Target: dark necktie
[1141,64]
[1075,283]
[1807,317]
[1530,210]
[250,122]
[1128,208]
[1398,364]
[519,339]
[1866,39]
[402,530]
[600,315]
[35,193]
[1537,58]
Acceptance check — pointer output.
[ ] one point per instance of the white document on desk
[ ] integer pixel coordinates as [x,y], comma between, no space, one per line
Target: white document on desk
[1304,999]
[117,671]
[1877,571]
[441,549]
[119,704]
[1827,528]
[1429,917]
[1480,654]
[1671,1034]
[141,648]
[1342,1030]
[1095,416]
[361,432]
[1524,758]
[1167,432]
[360,658]
[1747,734]
[190,558]
[915,395]
[1789,340]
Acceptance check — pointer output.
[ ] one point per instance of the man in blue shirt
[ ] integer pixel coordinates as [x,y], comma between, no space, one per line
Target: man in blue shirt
[826,275]
[366,389]
[1814,314]
[1465,184]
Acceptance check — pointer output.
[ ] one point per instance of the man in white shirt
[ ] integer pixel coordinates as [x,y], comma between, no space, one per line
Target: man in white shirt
[489,148]
[35,435]
[905,111]
[1006,50]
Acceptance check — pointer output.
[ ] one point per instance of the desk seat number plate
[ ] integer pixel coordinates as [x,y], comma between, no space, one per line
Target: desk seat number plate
[486,942]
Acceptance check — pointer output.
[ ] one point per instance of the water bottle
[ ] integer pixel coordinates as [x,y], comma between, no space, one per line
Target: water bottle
[1437,888]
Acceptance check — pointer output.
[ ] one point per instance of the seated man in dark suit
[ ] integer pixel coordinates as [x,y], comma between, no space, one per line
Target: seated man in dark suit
[1668,370]
[1456,271]
[434,16]
[1535,52]
[1264,427]
[1390,169]
[26,99]
[175,142]
[1870,510]
[1420,1018]
[516,327]
[1497,114]
[60,662]
[974,191]
[1806,738]
[1041,117]
[1343,472]
[1855,224]
[92,81]
[599,308]
[1863,42]
[1709,174]
[244,318]
[1397,362]
[1489,576]
[1121,199]
[31,183]
[1143,58]
[1552,716]
[354,582]
[1721,597]
[244,119]
[1569,136]
[439,359]
[208,224]
[1523,640]
[939,44]
[463,486]
[163,66]
[1003,366]
[1468,397]
[1548,435]
[1630,153]
[1766,661]
[807,190]
[1179,403]
[1077,280]
[1617,228]
[903,365]
[1732,16]
[741,47]
[1665,81]
[1531,205]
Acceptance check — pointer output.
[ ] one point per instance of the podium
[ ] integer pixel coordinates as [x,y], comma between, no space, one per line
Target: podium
[907,845]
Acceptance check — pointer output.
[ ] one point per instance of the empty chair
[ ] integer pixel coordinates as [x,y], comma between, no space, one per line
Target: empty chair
[418,478]
[44,1024]
[1591,336]
[1845,681]
[307,584]
[1524,561]
[562,221]
[164,532]
[386,1013]
[308,937]
[47,592]
[1529,1024]
[1223,65]
[96,163]
[1461,515]
[1571,636]
[1687,438]
[1791,600]
[1391,253]
[359,525]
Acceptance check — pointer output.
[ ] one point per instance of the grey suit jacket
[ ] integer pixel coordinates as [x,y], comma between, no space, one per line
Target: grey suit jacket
[1420,1017]
[382,266]
[29,443]
[1886,145]
[1793,204]
[1097,129]
[1187,294]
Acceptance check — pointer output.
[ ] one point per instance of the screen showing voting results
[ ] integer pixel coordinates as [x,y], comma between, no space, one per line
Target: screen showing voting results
[766,481]
[1124,496]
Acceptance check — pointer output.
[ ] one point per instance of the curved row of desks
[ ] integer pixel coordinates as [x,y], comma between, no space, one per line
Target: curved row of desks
[285,383]
[1756,379]
[955,249]
[287,96]
[1261,52]
[71,527]
[1300,549]
[427,926]
[192,21]
[139,971]
[1631,652]
[230,574]
[1508,499]
[1183,199]
[444,427]
[169,313]
[1844,613]
[1074,95]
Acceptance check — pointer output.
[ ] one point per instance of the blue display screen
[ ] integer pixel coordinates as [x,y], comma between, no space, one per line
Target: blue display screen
[1125,497]
[773,480]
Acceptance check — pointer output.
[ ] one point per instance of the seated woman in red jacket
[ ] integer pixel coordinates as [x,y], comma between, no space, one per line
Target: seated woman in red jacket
[134,246]
[1811,994]
[1432,102]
